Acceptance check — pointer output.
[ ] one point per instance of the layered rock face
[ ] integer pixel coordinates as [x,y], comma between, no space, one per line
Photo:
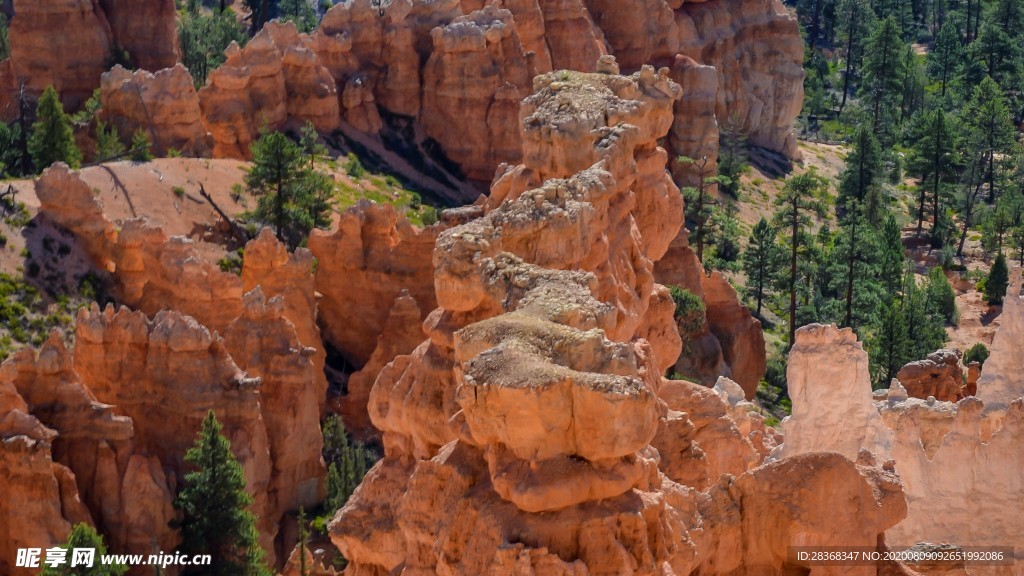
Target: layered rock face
[732,342]
[378,254]
[71,61]
[276,77]
[145,30]
[939,375]
[531,432]
[163,105]
[69,44]
[248,347]
[945,453]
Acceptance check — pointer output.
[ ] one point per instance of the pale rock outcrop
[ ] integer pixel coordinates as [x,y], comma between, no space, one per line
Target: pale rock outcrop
[472,85]
[1002,379]
[938,375]
[164,105]
[66,200]
[145,30]
[958,462]
[830,386]
[362,267]
[750,521]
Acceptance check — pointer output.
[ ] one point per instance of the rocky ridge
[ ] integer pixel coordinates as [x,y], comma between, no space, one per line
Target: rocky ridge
[525,434]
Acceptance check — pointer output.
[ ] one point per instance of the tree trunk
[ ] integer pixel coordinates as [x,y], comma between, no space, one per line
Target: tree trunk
[850,272]
[793,274]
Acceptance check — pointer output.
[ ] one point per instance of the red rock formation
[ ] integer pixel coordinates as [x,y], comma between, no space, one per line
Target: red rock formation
[71,60]
[127,491]
[163,105]
[472,86]
[145,30]
[377,254]
[276,77]
[938,375]
[401,334]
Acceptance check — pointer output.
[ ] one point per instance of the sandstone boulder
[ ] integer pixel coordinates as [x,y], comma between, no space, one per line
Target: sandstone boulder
[938,375]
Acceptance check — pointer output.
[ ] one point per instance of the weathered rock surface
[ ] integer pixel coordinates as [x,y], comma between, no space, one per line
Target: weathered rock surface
[938,375]
[378,255]
[71,60]
[276,77]
[946,454]
[1002,380]
[145,30]
[752,520]
[732,343]
[164,105]
[830,386]
[472,86]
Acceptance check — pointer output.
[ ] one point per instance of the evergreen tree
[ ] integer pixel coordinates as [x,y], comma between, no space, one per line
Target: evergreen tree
[732,156]
[347,463]
[891,259]
[799,199]
[204,38]
[863,169]
[300,12]
[52,139]
[993,54]
[888,347]
[213,506]
[946,57]
[884,69]
[759,262]
[940,295]
[932,162]
[699,203]
[991,129]
[291,198]
[10,152]
[108,143]
[261,12]
[141,146]
[84,536]
[856,21]
[5,42]
[997,281]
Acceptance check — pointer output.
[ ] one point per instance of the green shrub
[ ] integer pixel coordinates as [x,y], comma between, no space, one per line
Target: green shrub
[977,353]
[690,313]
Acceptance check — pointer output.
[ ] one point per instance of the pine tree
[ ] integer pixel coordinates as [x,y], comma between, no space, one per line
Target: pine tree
[108,143]
[732,155]
[141,146]
[798,200]
[759,262]
[52,138]
[888,347]
[214,508]
[84,536]
[300,12]
[291,198]
[997,281]
[856,20]
[940,295]
[883,70]
[347,463]
[863,169]
[994,54]
[947,55]
[991,128]
[5,42]
[204,38]
[891,259]
[931,161]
